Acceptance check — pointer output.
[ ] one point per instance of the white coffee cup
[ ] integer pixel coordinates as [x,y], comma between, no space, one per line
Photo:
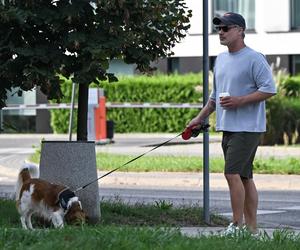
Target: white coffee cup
[223,94]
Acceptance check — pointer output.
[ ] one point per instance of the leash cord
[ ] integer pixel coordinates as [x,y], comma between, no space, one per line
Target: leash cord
[102,176]
[202,128]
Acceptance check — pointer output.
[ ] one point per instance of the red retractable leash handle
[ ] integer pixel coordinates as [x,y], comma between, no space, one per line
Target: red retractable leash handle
[194,131]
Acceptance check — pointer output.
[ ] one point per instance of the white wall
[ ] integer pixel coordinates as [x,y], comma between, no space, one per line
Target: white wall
[276,14]
[196,20]
[271,36]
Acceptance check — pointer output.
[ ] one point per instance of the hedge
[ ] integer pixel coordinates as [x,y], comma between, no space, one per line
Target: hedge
[60,117]
[283,110]
[291,86]
[155,89]
[283,114]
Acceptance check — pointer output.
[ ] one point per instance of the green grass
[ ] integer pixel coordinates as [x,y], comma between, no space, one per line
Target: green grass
[111,237]
[287,165]
[156,163]
[132,227]
[160,213]
[116,212]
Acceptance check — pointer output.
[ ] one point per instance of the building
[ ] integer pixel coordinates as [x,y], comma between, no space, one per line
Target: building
[273,28]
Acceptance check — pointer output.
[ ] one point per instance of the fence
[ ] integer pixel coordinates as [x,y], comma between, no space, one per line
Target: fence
[107,105]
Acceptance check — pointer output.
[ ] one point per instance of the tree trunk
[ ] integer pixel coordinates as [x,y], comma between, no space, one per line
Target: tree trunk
[82,114]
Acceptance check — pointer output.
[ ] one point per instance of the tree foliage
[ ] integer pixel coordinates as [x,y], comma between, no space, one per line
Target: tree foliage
[41,39]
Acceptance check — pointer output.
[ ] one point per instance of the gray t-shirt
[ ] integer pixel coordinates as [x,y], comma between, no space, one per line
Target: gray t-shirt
[242,73]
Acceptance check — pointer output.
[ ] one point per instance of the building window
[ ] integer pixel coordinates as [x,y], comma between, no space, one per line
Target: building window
[173,65]
[212,60]
[22,120]
[295,65]
[119,67]
[27,98]
[295,9]
[244,7]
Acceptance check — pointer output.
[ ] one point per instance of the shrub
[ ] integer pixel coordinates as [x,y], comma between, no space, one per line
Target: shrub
[60,117]
[283,114]
[155,89]
[291,86]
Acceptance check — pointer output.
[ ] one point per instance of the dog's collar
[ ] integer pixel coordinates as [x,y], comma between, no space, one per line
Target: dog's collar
[64,196]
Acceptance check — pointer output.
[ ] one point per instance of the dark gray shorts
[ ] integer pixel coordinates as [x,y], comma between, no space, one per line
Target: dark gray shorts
[239,150]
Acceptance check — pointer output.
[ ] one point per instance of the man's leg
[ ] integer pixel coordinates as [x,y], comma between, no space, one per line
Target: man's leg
[239,150]
[251,202]
[237,197]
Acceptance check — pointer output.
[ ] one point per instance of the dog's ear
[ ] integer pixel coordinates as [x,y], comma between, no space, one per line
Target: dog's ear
[77,218]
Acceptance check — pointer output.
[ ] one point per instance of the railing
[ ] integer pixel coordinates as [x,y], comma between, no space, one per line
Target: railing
[108,105]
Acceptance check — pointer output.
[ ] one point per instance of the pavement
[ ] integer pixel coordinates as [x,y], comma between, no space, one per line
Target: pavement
[210,231]
[135,144]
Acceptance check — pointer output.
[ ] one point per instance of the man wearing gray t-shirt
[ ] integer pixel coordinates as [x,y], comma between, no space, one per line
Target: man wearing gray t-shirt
[242,82]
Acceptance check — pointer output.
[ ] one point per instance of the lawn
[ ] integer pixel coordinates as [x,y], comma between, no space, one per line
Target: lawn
[288,165]
[137,227]
[148,163]
[116,212]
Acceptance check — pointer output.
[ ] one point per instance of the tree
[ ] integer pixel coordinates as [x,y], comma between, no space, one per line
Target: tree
[40,40]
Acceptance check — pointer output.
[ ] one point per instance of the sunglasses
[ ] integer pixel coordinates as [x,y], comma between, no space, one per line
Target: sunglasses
[225,28]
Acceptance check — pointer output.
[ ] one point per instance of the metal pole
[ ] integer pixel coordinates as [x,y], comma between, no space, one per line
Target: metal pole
[72,111]
[205,99]
[1,120]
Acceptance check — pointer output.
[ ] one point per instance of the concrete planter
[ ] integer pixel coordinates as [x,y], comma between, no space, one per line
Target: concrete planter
[73,163]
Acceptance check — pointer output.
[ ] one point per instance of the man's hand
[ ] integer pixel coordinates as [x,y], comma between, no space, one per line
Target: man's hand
[230,102]
[195,122]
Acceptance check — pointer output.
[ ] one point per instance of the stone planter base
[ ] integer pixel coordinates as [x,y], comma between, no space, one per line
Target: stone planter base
[73,163]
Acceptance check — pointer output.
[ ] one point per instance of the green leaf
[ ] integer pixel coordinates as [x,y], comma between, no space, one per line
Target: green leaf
[39,39]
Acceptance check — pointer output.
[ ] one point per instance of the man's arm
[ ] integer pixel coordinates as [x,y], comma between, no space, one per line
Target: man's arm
[238,101]
[209,108]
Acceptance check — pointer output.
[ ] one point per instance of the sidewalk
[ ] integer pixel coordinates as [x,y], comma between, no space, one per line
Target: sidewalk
[157,180]
[137,143]
[209,231]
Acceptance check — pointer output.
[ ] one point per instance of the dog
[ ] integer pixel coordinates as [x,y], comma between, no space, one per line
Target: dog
[53,202]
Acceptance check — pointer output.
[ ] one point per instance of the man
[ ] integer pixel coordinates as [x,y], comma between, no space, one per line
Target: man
[242,82]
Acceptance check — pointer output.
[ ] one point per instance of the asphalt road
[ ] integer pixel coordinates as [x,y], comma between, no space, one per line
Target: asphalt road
[277,208]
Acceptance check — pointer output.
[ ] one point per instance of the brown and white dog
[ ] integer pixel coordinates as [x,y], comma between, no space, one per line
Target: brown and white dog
[53,202]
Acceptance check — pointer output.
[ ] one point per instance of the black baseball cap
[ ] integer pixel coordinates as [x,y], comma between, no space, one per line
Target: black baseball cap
[230,18]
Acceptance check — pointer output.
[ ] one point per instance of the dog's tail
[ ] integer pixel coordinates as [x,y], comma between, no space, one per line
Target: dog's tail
[26,172]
